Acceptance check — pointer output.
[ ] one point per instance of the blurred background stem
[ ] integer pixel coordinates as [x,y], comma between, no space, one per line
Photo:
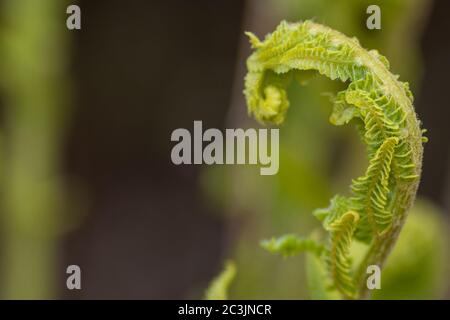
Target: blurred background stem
[33,62]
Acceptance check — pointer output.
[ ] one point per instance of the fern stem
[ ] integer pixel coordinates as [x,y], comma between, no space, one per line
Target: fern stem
[382,245]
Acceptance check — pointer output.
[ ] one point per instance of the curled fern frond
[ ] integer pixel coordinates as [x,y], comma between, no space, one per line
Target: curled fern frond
[290,245]
[381,108]
[218,289]
[337,256]
[372,192]
[338,206]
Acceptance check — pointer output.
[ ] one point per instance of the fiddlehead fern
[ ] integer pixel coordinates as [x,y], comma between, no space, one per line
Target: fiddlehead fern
[381,108]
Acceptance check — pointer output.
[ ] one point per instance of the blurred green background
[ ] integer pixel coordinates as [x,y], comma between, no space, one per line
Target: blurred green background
[85,170]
